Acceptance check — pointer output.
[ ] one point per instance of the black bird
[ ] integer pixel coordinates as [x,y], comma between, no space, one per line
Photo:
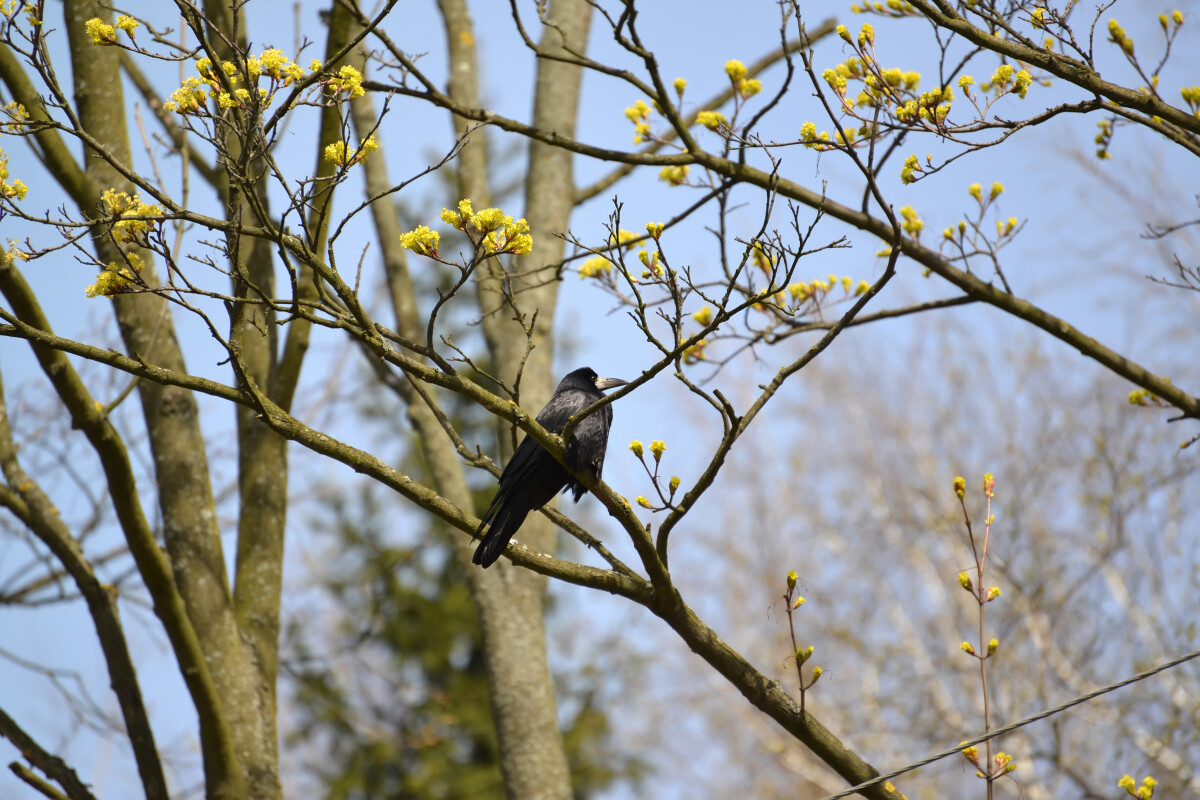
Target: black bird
[533,477]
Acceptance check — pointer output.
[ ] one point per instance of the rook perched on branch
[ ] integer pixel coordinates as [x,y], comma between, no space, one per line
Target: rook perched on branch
[533,477]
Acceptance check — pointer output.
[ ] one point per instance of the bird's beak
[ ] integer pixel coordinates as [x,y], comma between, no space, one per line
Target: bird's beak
[609,383]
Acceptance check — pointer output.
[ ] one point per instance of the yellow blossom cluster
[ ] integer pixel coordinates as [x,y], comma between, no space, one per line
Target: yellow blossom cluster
[703,316]
[676,176]
[695,352]
[131,215]
[32,12]
[1006,79]
[275,64]
[339,153]
[9,190]
[104,34]
[500,232]
[1004,227]
[514,238]
[894,91]
[1143,792]
[883,87]
[810,137]
[190,98]
[1191,96]
[746,87]
[117,278]
[761,258]
[1176,19]
[13,253]
[890,8]
[17,115]
[1104,137]
[222,84]
[100,32]
[348,80]
[639,115]
[911,223]
[818,289]
[932,106]
[421,241]
[1117,35]
[712,120]
[595,267]
[624,238]
[908,174]
[651,262]
[881,84]
[1144,397]
[976,191]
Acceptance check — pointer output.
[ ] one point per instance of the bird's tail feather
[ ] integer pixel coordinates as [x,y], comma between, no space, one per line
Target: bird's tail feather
[504,526]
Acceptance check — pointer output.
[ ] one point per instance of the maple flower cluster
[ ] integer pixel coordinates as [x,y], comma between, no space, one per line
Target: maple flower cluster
[8,189]
[744,86]
[17,115]
[601,268]
[1143,792]
[639,113]
[117,278]
[134,218]
[897,94]
[224,81]
[221,81]
[339,153]
[496,231]
[104,34]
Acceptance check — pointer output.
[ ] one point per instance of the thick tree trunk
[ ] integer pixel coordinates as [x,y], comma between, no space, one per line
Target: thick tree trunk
[510,601]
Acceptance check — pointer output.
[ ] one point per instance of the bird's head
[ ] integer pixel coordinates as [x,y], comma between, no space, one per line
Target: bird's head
[586,378]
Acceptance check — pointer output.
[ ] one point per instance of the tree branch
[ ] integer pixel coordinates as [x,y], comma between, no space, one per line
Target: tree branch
[50,765]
